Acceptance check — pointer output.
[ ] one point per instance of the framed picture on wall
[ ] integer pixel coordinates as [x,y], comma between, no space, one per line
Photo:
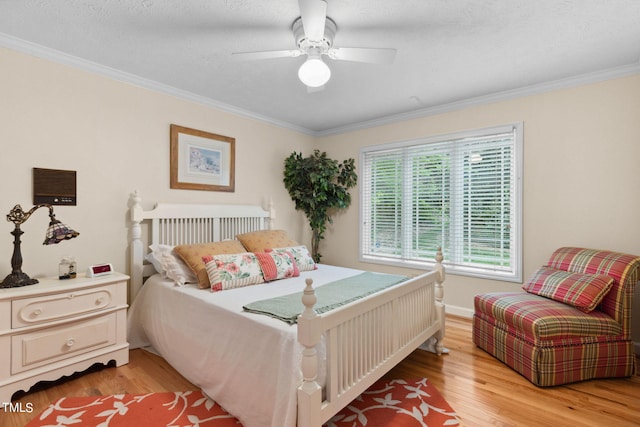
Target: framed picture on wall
[201,160]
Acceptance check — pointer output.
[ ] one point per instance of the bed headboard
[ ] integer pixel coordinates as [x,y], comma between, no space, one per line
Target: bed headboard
[176,224]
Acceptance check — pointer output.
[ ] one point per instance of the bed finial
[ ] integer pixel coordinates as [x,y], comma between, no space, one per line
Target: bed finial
[309,299]
[135,206]
[272,214]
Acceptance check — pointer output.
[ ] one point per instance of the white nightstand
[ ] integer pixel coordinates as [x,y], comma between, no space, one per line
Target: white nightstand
[58,327]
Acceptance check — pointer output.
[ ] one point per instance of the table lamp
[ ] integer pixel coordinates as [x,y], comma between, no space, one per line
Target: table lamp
[56,232]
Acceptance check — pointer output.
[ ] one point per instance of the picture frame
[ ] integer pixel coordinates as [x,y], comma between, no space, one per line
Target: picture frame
[201,160]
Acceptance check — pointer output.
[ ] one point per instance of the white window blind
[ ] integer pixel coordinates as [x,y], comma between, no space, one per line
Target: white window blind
[459,192]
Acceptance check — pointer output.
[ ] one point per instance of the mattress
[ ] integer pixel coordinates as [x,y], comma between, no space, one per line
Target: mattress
[248,363]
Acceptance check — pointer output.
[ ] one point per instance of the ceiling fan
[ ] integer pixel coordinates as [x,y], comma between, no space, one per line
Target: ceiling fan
[313,32]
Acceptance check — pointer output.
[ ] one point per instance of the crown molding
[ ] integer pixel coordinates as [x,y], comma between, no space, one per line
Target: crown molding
[569,82]
[53,55]
[59,57]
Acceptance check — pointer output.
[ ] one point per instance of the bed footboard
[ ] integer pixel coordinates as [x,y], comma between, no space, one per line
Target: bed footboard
[365,340]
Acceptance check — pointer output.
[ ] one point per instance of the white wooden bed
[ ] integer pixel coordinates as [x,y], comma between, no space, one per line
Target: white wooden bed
[359,342]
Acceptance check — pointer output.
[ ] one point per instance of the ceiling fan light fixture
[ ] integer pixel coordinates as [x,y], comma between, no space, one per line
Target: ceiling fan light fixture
[314,72]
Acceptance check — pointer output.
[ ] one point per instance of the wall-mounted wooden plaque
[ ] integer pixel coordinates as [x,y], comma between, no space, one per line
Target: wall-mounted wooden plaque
[53,186]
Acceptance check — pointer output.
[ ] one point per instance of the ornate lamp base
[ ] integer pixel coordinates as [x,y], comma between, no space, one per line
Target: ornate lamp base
[15,280]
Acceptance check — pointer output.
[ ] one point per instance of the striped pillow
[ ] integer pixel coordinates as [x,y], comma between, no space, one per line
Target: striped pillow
[227,271]
[276,265]
[583,291]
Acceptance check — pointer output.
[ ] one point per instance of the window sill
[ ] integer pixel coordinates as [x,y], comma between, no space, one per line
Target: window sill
[450,269]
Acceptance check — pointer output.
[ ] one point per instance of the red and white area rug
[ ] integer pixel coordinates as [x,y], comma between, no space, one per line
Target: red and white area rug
[397,403]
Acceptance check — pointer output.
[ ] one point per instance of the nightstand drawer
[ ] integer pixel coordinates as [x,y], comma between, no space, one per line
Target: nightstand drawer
[32,311]
[52,344]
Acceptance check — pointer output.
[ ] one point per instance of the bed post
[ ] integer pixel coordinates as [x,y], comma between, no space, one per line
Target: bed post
[434,344]
[309,334]
[440,308]
[136,254]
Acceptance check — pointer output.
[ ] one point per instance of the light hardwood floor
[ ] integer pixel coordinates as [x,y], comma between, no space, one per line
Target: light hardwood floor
[481,390]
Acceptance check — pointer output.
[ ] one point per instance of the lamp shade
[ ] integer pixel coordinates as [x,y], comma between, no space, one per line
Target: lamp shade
[314,72]
[58,232]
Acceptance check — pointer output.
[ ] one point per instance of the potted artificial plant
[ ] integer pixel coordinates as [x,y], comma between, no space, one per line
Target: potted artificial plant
[319,186]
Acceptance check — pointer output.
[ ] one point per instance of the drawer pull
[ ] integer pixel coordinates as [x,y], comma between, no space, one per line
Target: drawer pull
[37,312]
[99,301]
[70,342]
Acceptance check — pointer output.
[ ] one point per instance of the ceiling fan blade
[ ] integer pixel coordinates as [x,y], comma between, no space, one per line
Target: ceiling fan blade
[363,54]
[266,54]
[314,14]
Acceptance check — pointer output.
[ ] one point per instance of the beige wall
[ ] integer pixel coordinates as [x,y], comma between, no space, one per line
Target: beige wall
[116,136]
[581,175]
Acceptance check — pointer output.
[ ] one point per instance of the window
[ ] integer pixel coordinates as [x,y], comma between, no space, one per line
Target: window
[460,192]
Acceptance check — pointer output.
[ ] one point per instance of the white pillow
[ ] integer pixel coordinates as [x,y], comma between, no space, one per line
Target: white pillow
[170,265]
[174,271]
[155,256]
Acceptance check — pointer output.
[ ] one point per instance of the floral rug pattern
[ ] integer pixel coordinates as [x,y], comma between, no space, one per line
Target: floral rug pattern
[397,403]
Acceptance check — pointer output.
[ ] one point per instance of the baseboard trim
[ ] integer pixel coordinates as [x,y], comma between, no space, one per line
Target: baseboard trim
[459,311]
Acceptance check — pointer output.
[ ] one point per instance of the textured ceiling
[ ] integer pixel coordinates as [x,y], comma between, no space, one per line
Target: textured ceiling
[447,51]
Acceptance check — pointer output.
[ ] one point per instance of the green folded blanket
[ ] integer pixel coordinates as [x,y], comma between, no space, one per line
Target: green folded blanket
[330,296]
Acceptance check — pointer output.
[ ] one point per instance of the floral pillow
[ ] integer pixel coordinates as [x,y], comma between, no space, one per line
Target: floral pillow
[301,255]
[277,265]
[227,271]
[192,255]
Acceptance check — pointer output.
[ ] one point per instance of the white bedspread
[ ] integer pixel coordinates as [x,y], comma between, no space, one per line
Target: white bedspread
[248,363]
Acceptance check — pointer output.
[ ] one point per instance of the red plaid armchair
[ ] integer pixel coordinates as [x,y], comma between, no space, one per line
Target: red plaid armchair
[572,323]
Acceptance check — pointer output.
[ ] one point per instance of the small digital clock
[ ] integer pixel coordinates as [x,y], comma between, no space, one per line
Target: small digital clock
[99,270]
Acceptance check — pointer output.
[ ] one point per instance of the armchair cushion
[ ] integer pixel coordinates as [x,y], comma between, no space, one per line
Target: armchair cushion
[583,291]
[544,322]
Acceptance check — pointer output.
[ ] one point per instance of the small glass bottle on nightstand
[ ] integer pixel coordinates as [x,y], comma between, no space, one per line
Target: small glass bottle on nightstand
[67,268]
